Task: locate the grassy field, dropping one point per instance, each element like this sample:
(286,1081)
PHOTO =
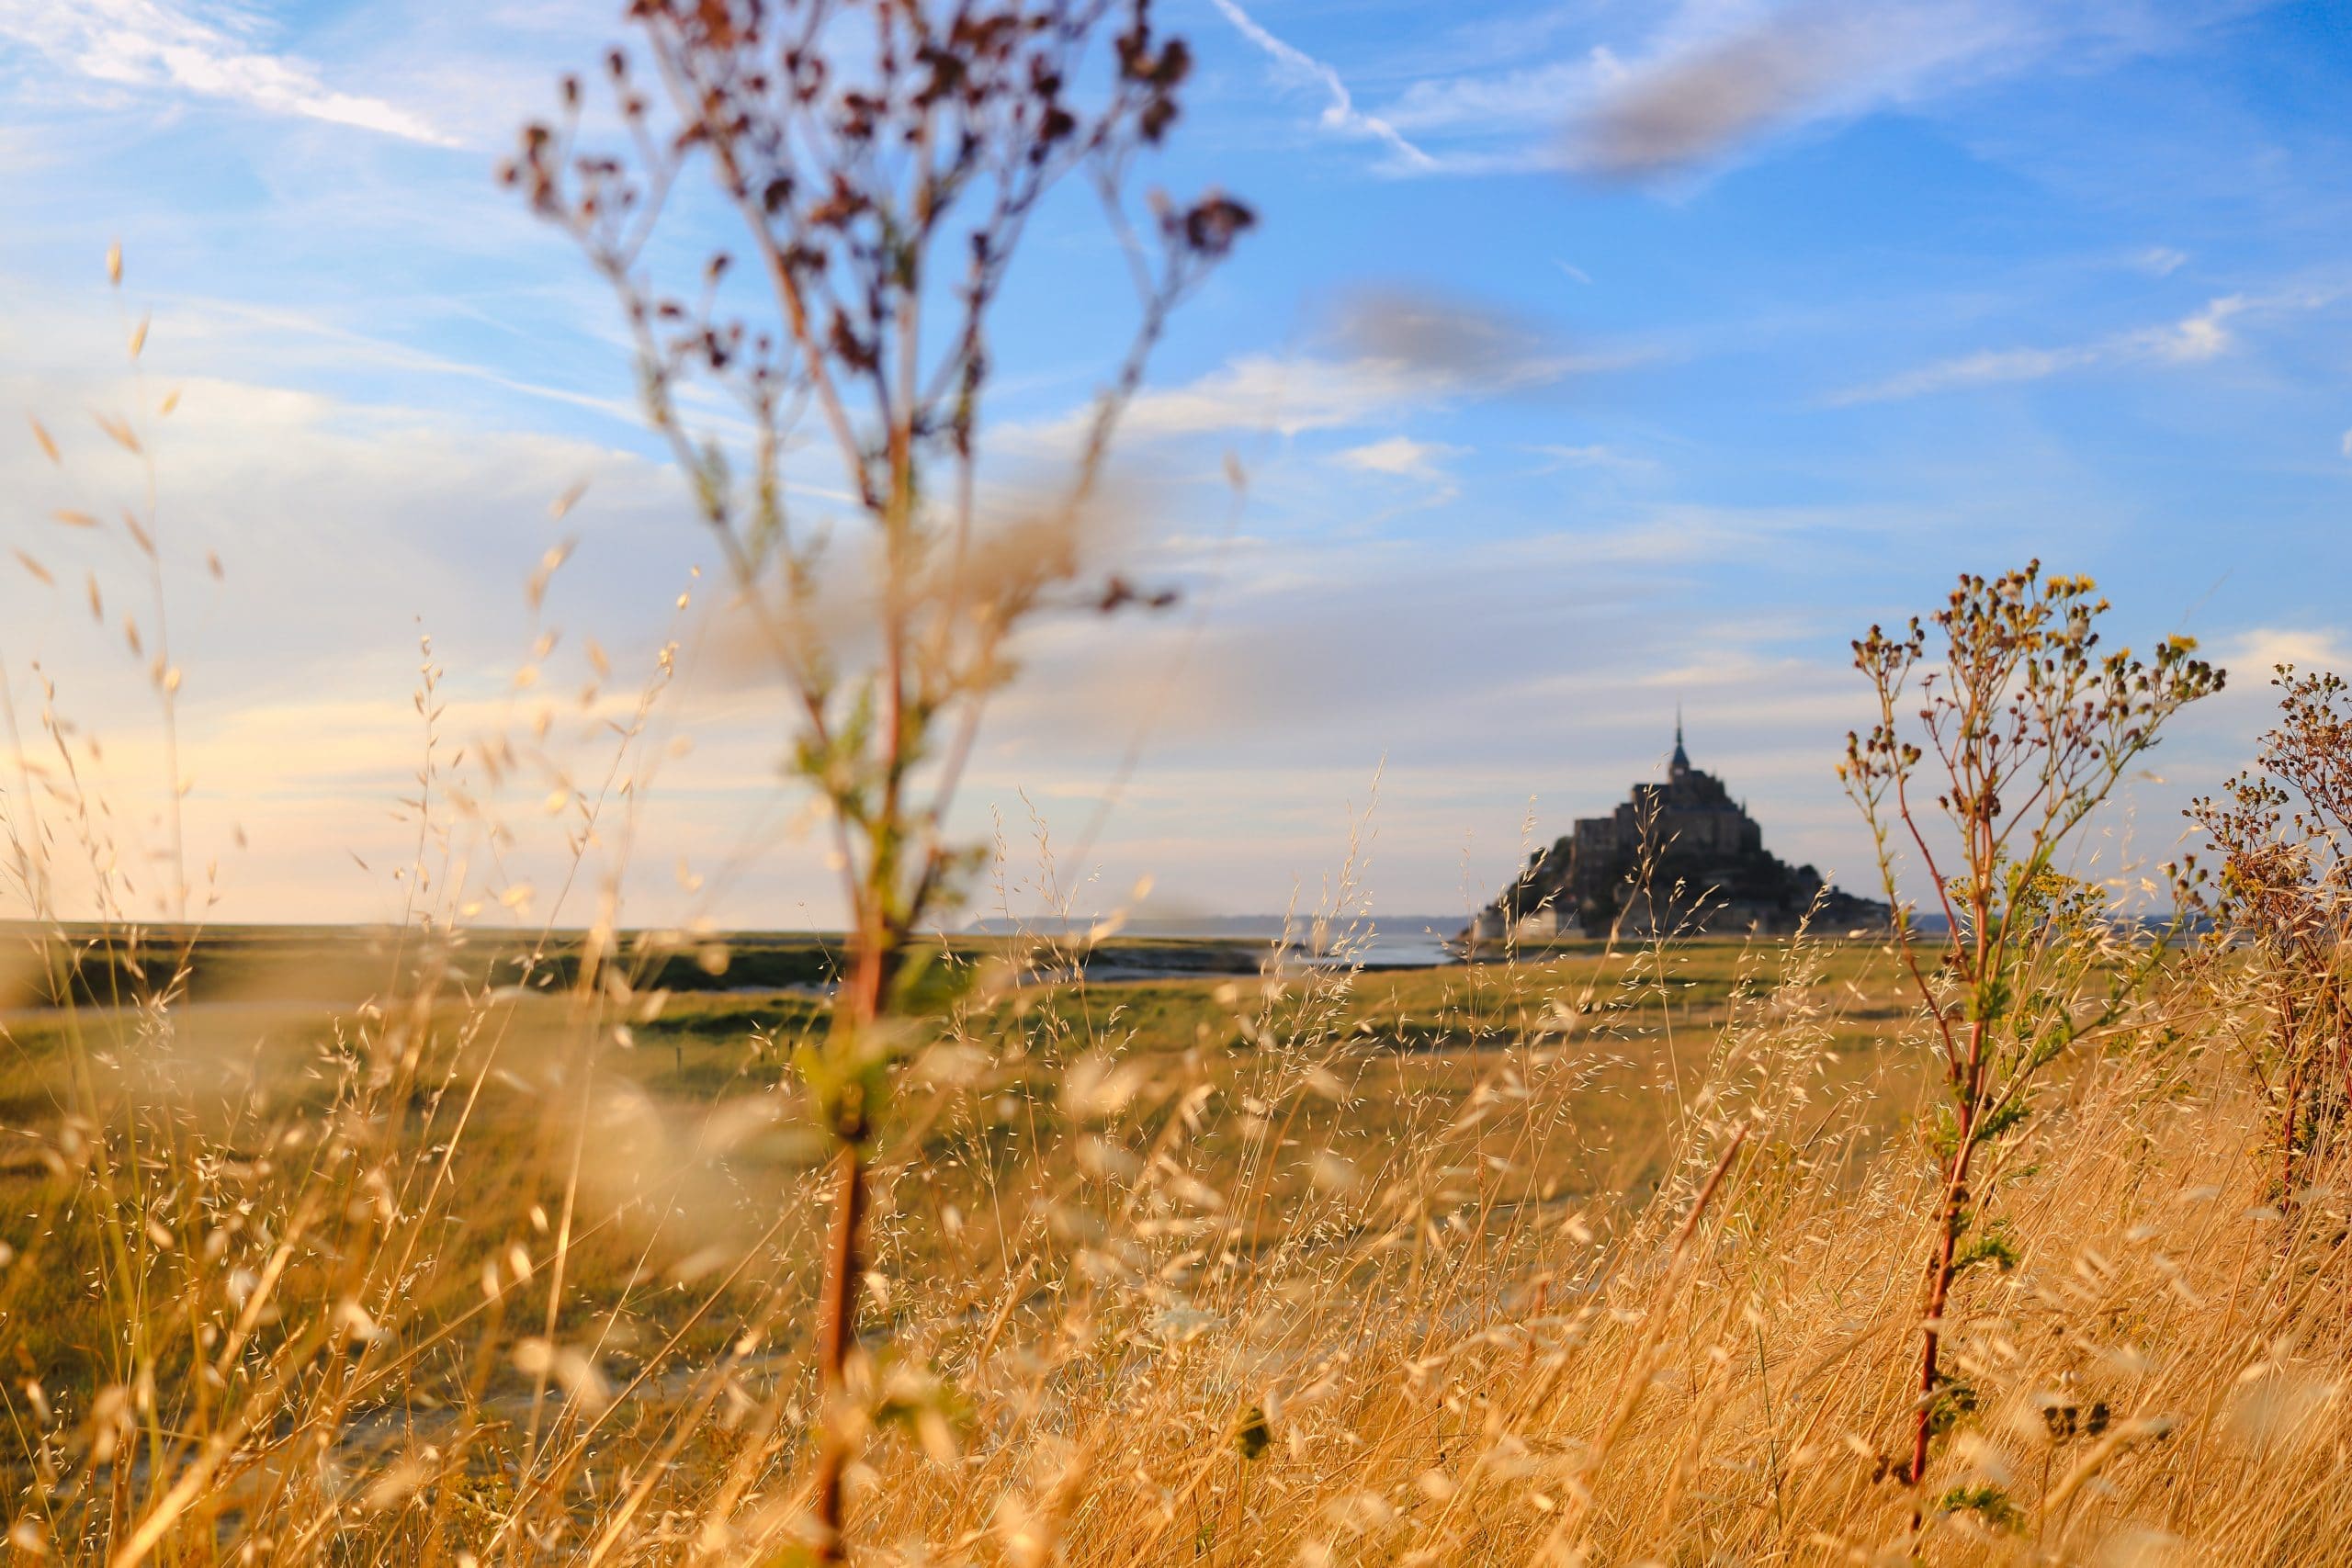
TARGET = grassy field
(598,1198)
(432,1246)
(272,1027)
(1600,1254)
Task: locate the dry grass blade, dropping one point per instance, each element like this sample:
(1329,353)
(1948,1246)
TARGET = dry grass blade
(119,431)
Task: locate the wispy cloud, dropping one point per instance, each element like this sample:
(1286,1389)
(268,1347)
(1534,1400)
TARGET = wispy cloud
(250,326)
(1402,457)
(1519,99)
(1388,352)
(1340,114)
(1705,81)
(1596,456)
(1255,392)
(2204,334)
(1461,344)
(156,43)
(1284,397)
(1987,367)
(1702,94)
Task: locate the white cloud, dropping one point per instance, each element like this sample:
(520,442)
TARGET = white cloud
(1388,352)
(1342,115)
(2198,337)
(158,43)
(1291,396)
(2160,260)
(1592,456)
(1522,98)
(1711,86)
(1983,369)
(2345,444)
(1705,81)
(2261,649)
(198,319)
(1401,456)
(1256,391)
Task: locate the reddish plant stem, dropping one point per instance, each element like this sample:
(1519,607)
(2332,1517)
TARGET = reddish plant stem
(1942,1269)
(862,1011)
(836,1332)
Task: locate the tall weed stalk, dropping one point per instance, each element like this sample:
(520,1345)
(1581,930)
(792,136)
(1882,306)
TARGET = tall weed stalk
(882,163)
(2282,913)
(2027,728)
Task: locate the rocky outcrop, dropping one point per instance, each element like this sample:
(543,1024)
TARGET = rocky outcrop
(1678,856)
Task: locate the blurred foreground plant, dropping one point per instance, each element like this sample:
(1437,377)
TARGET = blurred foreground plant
(2029,727)
(882,160)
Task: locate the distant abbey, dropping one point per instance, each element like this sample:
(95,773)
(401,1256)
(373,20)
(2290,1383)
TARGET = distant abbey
(1680,855)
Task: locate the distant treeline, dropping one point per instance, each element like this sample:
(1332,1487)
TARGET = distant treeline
(116,966)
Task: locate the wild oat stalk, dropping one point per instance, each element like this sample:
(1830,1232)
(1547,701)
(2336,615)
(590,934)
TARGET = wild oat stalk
(853,141)
(2029,728)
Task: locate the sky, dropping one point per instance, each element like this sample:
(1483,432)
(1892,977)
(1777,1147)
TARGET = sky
(1590,360)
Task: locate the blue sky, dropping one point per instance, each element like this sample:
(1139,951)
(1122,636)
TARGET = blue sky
(1763,321)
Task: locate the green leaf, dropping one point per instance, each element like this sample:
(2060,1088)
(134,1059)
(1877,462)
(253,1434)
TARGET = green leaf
(1992,1245)
(1988,1503)
(1952,1401)
(2002,1120)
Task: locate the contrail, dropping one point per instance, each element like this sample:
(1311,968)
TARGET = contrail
(1342,113)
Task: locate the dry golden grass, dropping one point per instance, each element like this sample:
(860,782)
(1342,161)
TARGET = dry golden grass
(1335,1279)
